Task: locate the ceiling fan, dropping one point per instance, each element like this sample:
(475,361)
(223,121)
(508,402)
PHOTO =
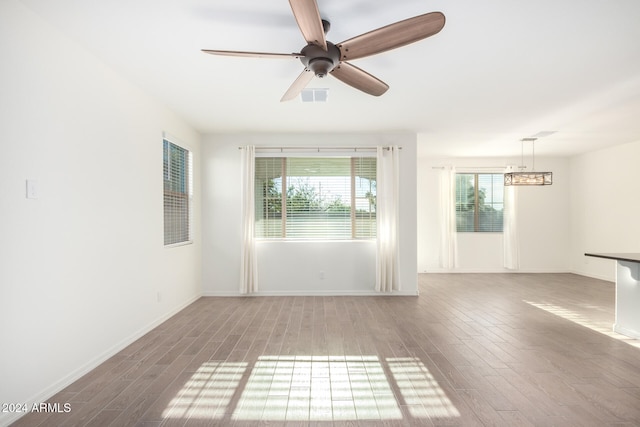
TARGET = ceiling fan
(321,57)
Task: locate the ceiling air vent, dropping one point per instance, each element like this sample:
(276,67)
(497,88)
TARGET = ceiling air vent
(314,95)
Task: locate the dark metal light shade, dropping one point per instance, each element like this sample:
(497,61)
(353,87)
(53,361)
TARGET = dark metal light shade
(528,178)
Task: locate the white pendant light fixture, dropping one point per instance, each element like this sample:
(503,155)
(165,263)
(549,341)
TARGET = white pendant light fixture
(528,178)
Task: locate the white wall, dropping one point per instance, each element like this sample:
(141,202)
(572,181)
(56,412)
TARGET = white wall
(543,215)
(605,203)
(81,266)
(294,267)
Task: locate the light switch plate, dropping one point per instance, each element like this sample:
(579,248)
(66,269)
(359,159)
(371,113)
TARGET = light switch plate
(33,189)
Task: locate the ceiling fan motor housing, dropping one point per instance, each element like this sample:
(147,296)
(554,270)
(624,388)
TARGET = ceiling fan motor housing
(320,61)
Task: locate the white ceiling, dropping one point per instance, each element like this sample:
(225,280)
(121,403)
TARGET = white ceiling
(499,71)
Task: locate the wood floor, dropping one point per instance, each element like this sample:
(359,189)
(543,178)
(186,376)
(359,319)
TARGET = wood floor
(472,350)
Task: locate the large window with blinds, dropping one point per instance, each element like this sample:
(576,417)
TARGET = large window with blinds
(323,198)
(177,193)
(479,202)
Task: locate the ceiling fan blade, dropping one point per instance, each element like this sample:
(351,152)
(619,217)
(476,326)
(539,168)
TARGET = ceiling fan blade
(392,36)
(359,79)
(252,54)
(300,83)
(308,18)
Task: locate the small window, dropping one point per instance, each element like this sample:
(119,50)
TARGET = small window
(177,193)
(315,198)
(479,202)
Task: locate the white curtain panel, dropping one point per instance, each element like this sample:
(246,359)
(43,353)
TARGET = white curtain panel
(448,232)
(249,269)
(510,226)
(387,207)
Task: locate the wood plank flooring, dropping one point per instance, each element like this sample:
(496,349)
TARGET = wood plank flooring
(471,350)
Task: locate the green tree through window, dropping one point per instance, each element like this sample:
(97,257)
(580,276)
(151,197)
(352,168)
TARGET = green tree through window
(479,202)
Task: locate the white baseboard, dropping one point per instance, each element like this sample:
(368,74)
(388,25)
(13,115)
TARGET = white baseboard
(75,375)
(495,271)
(626,332)
(594,276)
(312,294)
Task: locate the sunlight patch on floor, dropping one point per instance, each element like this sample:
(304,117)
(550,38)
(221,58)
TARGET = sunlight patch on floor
(605,328)
(208,392)
(420,390)
(312,388)
(319,388)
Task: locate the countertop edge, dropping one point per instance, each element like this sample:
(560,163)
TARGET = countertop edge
(632,257)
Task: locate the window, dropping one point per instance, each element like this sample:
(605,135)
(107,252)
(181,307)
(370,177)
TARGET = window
(323,197)
(479,202)
(177,193)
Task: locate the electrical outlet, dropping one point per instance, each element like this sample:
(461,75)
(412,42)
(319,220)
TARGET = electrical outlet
(321,275)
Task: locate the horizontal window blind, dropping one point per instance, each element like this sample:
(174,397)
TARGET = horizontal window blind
(177,193)
(268,197)
(364,209)
(479,202)
(315,197)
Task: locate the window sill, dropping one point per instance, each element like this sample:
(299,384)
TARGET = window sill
(271,240)
(480,232)
(176,245)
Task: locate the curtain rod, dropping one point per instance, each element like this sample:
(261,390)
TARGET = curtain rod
(321,148)
(471,167)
